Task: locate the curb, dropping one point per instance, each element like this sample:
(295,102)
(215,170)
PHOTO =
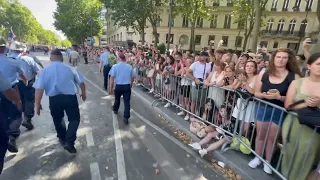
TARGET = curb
(216,154)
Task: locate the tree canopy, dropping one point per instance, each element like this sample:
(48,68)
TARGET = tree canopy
(78,19)
(25,26)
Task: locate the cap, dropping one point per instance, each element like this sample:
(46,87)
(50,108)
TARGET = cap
(2,43)
(56,52)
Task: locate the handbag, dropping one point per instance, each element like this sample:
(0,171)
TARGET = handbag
(309,116)
(198,128)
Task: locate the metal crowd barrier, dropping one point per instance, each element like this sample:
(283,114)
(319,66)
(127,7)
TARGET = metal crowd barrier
(180,92)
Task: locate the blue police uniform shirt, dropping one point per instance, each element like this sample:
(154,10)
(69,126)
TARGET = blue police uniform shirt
(4,84)
(104,58)
(29,66)
(59,78)
(122,73)
(10,69)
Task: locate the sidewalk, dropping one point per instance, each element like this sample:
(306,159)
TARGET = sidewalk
(235,160)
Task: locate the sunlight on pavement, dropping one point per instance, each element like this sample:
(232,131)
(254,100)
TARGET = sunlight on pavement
(67,171)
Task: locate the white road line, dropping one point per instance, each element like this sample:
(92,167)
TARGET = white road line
(121,166)
(89,139)
(95,171)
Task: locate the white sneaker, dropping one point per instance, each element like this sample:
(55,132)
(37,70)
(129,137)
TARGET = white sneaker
(203,152)
(180,113)
(254,163)
(267,169)
(195,146)
(167,105)
(151,91)
(187,117)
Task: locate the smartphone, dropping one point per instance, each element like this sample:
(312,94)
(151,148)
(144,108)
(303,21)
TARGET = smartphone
(273,90)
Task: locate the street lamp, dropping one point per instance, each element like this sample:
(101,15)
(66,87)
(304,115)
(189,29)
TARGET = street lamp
(304,24)
(170,24)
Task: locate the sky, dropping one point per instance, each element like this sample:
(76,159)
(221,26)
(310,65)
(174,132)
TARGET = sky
(43,10)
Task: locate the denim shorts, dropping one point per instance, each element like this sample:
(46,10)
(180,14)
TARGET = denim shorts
(270,114)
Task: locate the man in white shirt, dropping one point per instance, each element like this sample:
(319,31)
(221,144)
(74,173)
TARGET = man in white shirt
(74,57)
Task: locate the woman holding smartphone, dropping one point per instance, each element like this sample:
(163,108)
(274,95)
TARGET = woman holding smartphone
(272,87)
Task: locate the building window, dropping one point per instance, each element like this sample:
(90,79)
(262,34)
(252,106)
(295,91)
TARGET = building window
(117,37)
(241,25)
(171,38)
(269,26)
(274,5)
(276,44)
(204,3)
(211,38)
(229,3)
(293,46)
(285,5)
(303,28)
(297,5)
(172,22)
(199,23)
(227,21)
(213,22)
(197,40)
(216,3)
(120,36)
(309,5)
(238,42)
(263,44)
(280,26)
(225,40)
(185,22)
(292,26)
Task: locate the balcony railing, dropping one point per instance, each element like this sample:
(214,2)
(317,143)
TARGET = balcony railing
(285,33)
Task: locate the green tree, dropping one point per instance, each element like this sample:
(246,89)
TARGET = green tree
(130,14)
(244,14)
(78,19)
(65,43)
(193,10)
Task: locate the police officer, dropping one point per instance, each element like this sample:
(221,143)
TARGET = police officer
(60,82)
(13,96)
(122,75)
(11,69)
(30,68)
(104,63)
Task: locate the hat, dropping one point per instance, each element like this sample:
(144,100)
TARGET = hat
(2,43)
(16,46)
(56,52)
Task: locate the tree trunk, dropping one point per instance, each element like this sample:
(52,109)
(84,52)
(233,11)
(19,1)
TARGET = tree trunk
(155,34)
(238,36)
(245,42)
(142,36)
(257,25)
(192,46)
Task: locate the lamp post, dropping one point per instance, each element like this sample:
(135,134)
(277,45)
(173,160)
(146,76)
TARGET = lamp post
(304,24)
(170,24)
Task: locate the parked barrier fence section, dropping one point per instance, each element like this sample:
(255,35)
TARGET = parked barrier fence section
(249,124)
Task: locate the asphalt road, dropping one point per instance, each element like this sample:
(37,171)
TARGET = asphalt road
(107,149)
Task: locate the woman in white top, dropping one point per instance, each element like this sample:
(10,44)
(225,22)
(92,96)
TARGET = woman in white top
(244,110)
(214,81)
(185,86)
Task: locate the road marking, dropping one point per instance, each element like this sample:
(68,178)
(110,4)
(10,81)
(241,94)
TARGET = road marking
(95,171)
(174,140)
(89,139)
(121,166)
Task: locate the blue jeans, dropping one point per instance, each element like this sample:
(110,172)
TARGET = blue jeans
(124,90)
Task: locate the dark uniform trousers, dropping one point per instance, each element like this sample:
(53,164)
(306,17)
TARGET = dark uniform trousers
(69,104)
(124,90)
(106,70)
(3,137)
(12,115)
(27,98)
